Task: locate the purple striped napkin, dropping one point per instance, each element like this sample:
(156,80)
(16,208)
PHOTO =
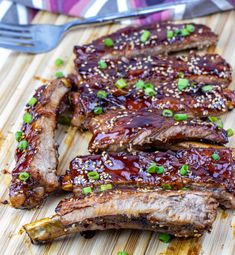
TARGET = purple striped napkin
(23,11)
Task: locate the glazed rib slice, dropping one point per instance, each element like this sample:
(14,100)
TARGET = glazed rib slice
(206,68)
(183,214)
(194,100)
(207,169)
(129,41)
(144,129)
(37,161)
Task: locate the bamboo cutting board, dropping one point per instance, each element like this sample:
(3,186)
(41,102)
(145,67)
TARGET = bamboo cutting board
(17,85)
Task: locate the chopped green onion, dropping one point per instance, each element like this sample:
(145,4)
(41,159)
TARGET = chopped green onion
(140,84)
(184,170)
(185,188)
(207,88)
(27,118)
(32,101)
(160,170)
(102,64)
(18,135)
(167,113)
(181,74)
(122,253)
(178,32)
(152,168)
(182,83)
(148,85)
(190,28)
(215,156)
(229,132)
(59,62)
(149,92)
(165,238)
(23,145)
(166,186)
(86,190)
(93,175)
(24,176)
(217,121)
(98,110)
(185,32)
(180,116)
(108,42)
(170,34)
(145,36)
(64,120)
(121,83)
(102,94)
(59,74)
(106,187)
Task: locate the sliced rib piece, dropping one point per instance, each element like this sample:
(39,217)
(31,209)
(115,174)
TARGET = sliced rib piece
(183,214)
(126,170)
(201,68)
(143,129)
(193,100)
(39,159)
(129,42)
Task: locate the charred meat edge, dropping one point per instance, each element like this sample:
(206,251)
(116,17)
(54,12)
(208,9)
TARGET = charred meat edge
(40,159)
(183,214)
(137,130)
(127,170)
(127,42)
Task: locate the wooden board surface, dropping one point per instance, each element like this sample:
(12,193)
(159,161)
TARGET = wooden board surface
(17,85)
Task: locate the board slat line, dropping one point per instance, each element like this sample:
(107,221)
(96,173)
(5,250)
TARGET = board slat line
(75,243)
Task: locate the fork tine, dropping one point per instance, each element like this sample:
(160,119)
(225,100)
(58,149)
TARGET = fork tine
(15,34)
(12,40)
(28,49)
(14,27)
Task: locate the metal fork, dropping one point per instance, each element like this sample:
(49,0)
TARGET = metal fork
(42,38)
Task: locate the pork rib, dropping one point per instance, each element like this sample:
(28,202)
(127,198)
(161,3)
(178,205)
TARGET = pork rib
(126,170)
(128,130)
(183,214)
(128,42)
(39,160)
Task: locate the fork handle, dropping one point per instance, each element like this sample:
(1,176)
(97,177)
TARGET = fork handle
(123,15)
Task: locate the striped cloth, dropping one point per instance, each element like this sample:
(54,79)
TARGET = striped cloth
(23,11)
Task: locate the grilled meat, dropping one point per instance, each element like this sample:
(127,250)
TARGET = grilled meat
(34,175)
(152,39)
(207,169)
(143,129)
(208,68)
(197,99)
(181,213)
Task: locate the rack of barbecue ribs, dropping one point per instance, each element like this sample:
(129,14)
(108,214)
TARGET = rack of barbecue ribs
(147,113)
(34,175)
(194,84)
(131,209)
(201,169)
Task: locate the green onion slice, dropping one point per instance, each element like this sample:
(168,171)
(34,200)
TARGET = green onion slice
(102,94)
(122,253)
(217,121)
(108,42)
(230,132)
(184,169)
(102,64)
(165,238)
(105,187)
(166,186)
(215,156)
(18,135)
(121,83)
(24,176)
(160,170)
(27,118)
(145,36)
(167,113)
(93,175)
(23,145)
(152,168)
(190,28)
(207,88)
(182,83)
(170,34)
(180,116)
(149,92)
(98,110)
(32,101)
(59,62)
(59,74)
(140,84)
(86,190)
(185,32)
